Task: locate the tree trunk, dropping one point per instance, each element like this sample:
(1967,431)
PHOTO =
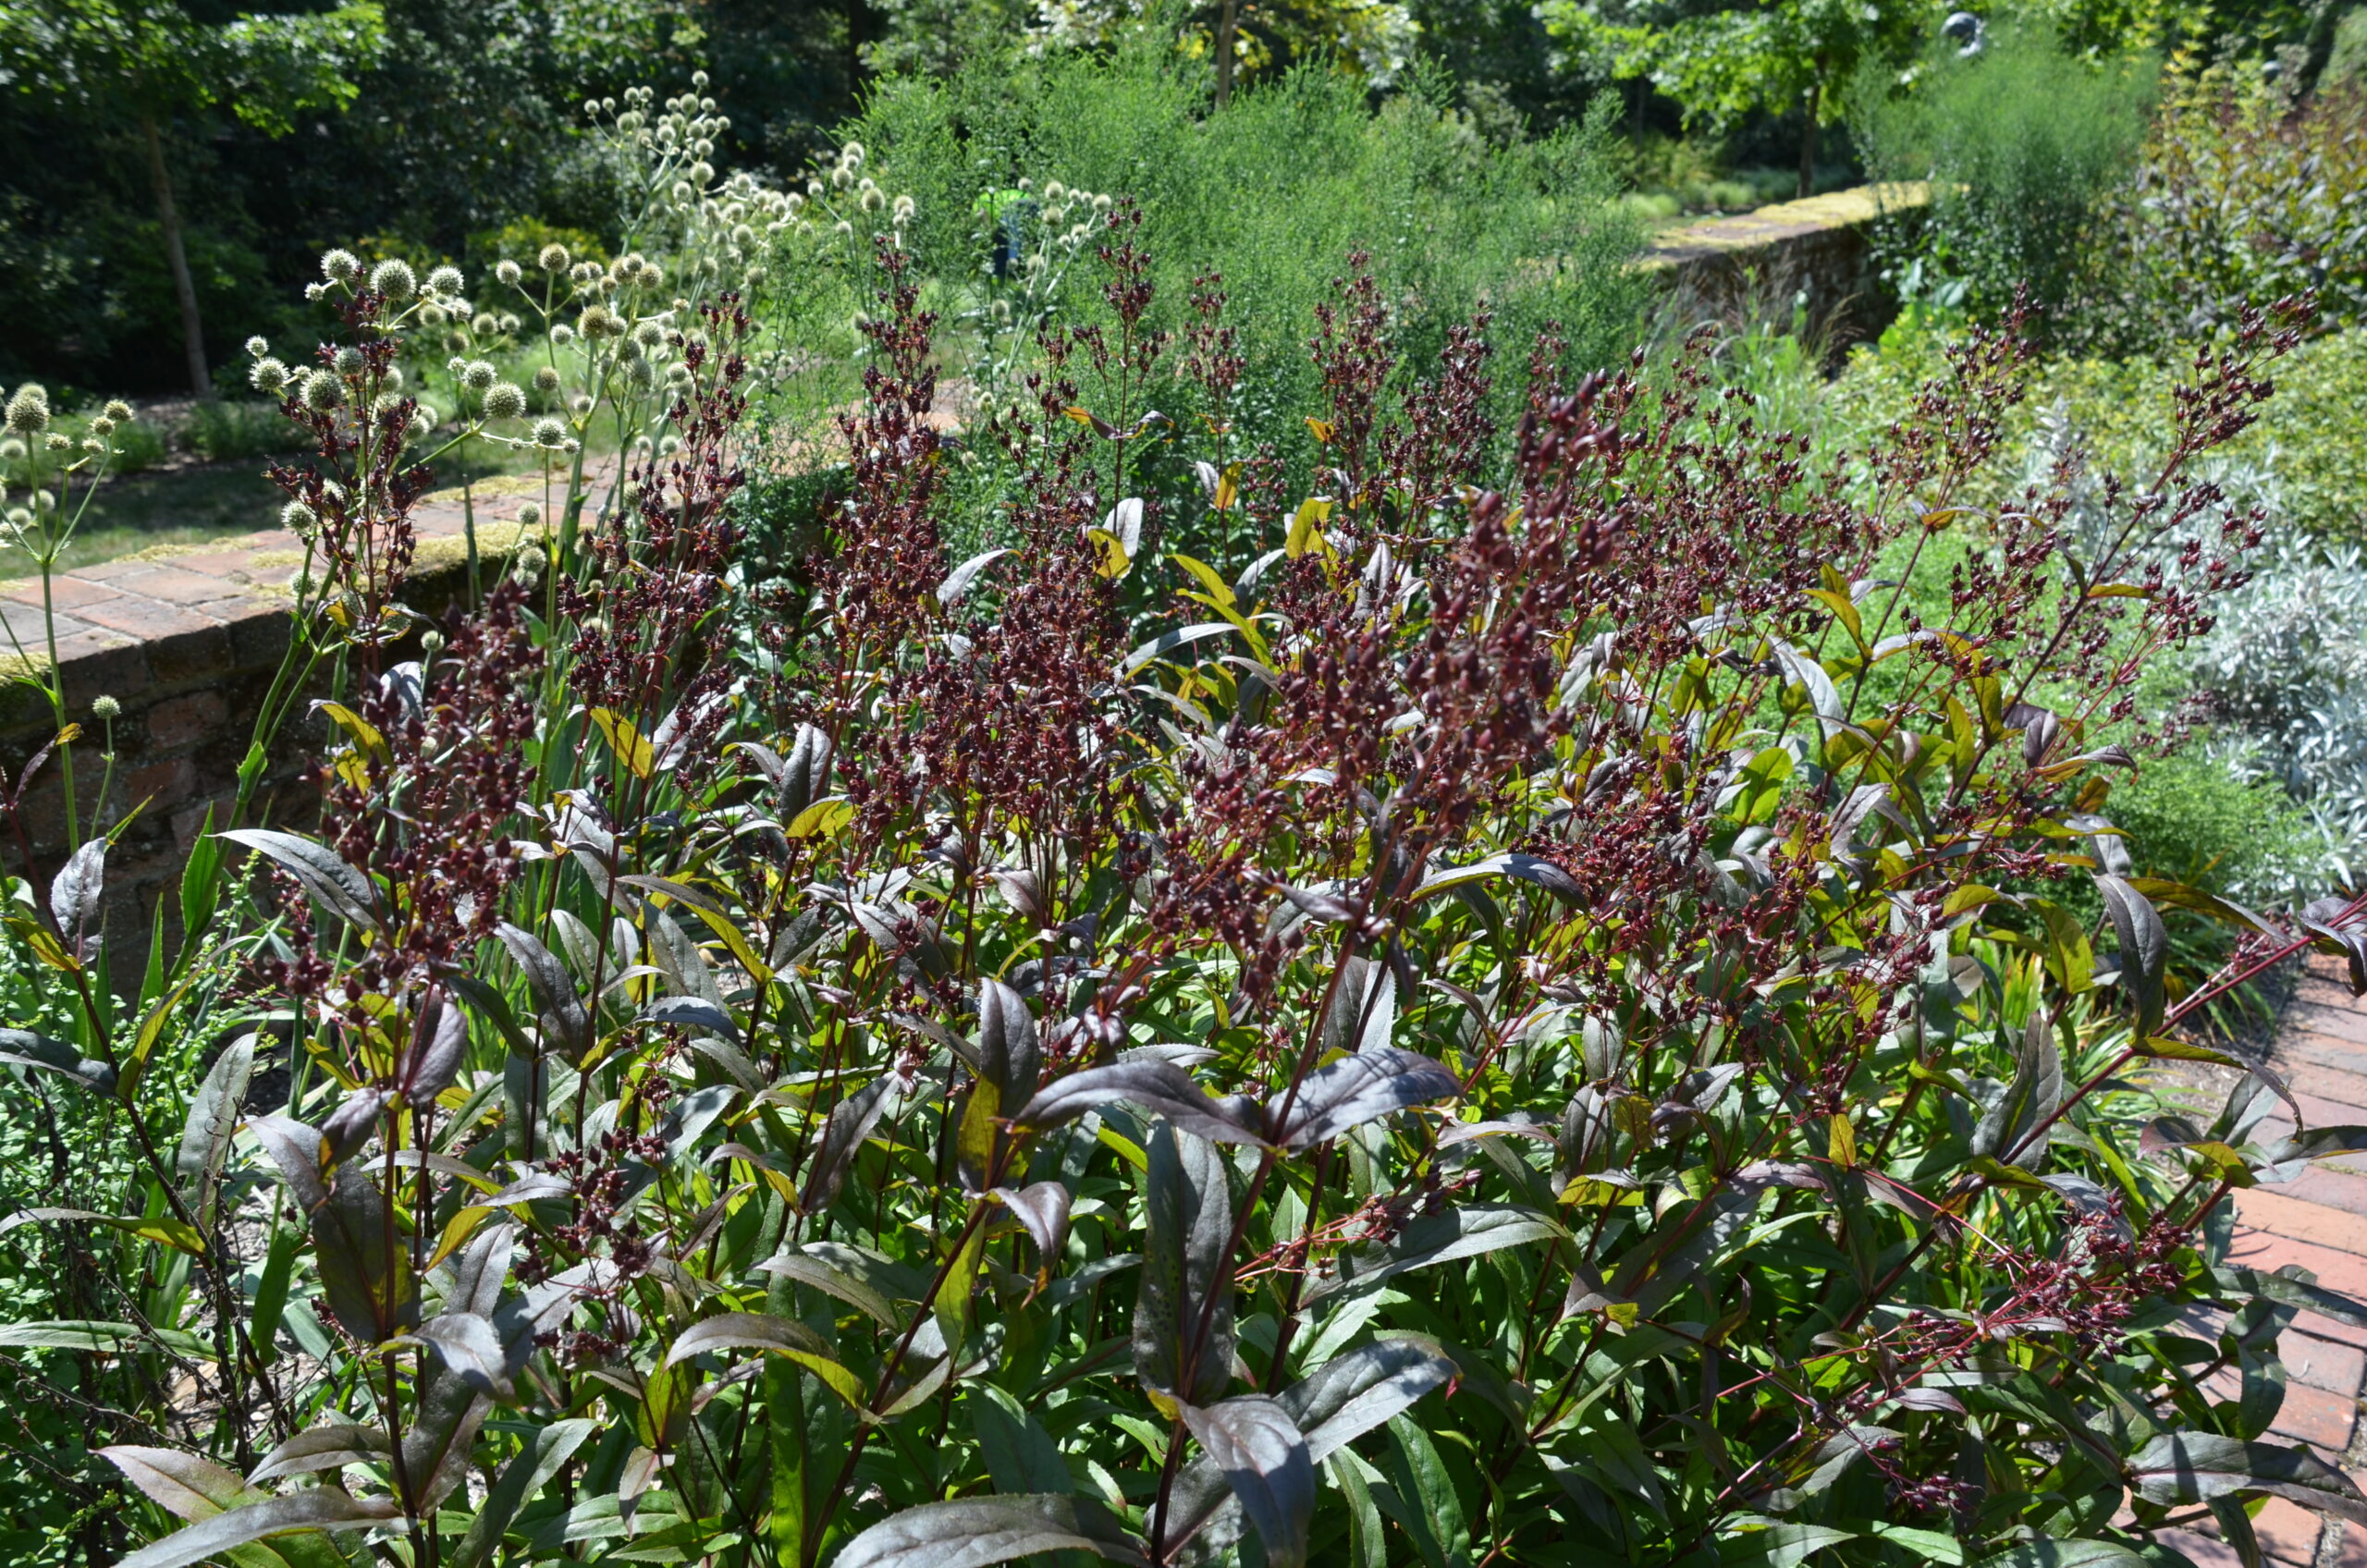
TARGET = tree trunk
(176,259)
(1227,24)
(1807,139)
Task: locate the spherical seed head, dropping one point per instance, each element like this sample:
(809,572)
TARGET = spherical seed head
(341,266)
(478,375)
(323,391)
(431,642)
(699,81)
(546,378)
(257,346)
(394,382)
(871,198)
(106,709)
(394,279)
(119,411)
(531,565)
(446,280)
(102,425)
(268,375)
(563,333)
(90,445)
(529,515)
(28,410)
(11,449)
(594,322)
(505,399)
(579,404)
(348,360)
(553,259)
(549,434)
(508,273)
(905,208)
(57,441)
(432,315)
(486,324)
(298,519)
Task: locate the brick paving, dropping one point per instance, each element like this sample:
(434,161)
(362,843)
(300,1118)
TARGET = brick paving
(2319,1222)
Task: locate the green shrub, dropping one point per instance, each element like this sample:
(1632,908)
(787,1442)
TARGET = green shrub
(1273,191)
(223,431)
(2242,197)
(2023,145)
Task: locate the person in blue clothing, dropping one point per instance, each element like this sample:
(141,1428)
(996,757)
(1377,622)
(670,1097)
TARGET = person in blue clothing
(1009,213)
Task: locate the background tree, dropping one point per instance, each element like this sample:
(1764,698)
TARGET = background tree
(144,62)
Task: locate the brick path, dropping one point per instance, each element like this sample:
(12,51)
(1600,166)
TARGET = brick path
(2319,1222)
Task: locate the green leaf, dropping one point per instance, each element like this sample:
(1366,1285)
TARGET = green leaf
(1187,1203)
(324,1508)
(164,1229)
(333,884)
(2144,949)
(213,1117)
(973,1532)
(2034,1095)
(521,1481)
(1020,1454)
(79,1334)
(1264,1458)
(776,1336)
(1464,1231)
(2064,1555)
(2189,1468)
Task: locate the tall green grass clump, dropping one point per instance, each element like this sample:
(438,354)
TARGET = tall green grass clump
(1272,192)
(2024,147)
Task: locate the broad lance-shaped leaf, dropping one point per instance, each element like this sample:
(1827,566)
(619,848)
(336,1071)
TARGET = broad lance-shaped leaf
(323,1508)
(2144,949)
(323,1448)
(2034,1096)
(1532,869)
(1042,1210)
(1187,1205)
(973,1532)
(212,1117)
(565,1020)
(1008,1054)
(1160,1087)
(776,1336)
(439,1040)
(26,1048)
(1340,1402)
(74,893)
(1358,1089)
(1264,1458)
(850,1122)
(333,884)
(2187,1467)
(183,1485)
(957,582)
(520,1481)
(1465,1231)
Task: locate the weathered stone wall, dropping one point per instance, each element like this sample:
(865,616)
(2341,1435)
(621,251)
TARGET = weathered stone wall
(1752,268)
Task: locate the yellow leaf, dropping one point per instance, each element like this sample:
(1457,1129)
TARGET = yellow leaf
(1841,1140)
(625,740)
(1221,593)
(1322,429)
(44,946)
(1306,527)
(352,770)
(457,1232)
(364,733)
(824,817)
(1114,562)
(1228,488)
(68,735)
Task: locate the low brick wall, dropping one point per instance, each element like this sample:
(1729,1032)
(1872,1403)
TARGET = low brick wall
(187,640)
(1752,268)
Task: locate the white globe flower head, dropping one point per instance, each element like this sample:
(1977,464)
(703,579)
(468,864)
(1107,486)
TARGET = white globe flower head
(394,380)
(58,441)
(562,335)
(446,281)
(340,265)
(268,375)
(553,258)
(394,279)
(549,434)
(507,273)
(257,346)
(580,405)
(485,324)
(478,376)
(106,710)
(1054,190)
(432,315)
(119,411)
(905,208)
(28,410)
(546,378)
(505,399)
(348,360)
(530,567)
(699,81)
(509,323)
(529,515)
(102,425)
(11,450)
(424,421)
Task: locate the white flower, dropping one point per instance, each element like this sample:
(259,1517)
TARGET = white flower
(106,710)
(508,273)
(446,280)
(478,375)
(341,266)
(28,410)
(257,346)
(268,375)
(505,399)
(553,259)
(394,279)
